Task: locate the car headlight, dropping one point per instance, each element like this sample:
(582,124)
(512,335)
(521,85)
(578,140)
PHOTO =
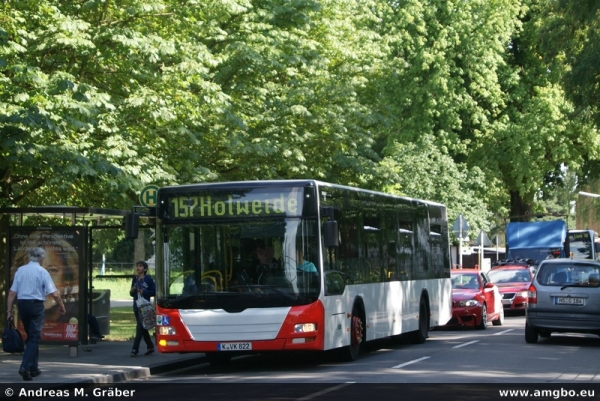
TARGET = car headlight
(470,302)
(522,294)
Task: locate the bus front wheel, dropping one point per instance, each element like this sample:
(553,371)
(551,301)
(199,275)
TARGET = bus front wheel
(357,335)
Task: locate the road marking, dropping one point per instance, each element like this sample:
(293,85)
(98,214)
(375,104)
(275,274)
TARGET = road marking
(465,344)
(328,390)
(410,363)
(502,332)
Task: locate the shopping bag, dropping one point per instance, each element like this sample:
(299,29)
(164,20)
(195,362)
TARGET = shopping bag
(11,339)
(147,313)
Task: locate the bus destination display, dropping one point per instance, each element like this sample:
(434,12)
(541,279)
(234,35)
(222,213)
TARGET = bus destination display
(252,203)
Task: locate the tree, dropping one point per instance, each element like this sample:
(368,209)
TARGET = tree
(570,33)
(569,38)
(472,76)
(442,89)
(538,132)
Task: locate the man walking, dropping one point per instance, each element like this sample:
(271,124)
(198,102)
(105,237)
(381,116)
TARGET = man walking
(30,286)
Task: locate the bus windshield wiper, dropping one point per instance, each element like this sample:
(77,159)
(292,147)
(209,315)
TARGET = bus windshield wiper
(281,292)
(258,287)
(190,297)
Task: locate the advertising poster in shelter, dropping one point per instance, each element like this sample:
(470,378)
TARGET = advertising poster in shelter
(64,260)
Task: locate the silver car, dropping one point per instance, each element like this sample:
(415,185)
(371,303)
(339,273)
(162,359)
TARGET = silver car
(564,296)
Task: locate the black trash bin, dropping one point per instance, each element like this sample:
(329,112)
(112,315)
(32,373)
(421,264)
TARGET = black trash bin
(101,309)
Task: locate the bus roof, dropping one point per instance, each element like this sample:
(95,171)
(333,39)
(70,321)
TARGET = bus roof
(279,183)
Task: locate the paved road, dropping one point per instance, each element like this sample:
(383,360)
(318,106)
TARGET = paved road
(496,355)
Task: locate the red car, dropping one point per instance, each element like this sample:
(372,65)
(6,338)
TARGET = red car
(475,300)
(513,282)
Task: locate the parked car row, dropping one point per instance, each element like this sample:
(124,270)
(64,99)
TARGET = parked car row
(563,296)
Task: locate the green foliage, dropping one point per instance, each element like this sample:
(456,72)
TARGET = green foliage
(420,170)
(570,32)
(123,250)
(122,324)
(483,101)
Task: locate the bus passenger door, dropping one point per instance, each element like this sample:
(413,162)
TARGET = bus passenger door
(336,307)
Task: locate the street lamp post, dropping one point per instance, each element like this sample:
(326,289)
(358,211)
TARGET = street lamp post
(460,227)
(591,195)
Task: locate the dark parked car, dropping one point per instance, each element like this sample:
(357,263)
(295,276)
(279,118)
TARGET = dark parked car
(563,297)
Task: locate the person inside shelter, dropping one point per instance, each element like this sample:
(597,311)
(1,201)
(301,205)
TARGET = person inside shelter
(95,333)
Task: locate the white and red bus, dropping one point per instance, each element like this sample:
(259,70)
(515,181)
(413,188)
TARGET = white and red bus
(296,265)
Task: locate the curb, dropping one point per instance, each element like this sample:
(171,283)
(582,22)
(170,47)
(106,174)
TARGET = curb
(144,372)
(132,374)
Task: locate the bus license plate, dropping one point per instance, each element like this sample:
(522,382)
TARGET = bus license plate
(234,347)
(568,301)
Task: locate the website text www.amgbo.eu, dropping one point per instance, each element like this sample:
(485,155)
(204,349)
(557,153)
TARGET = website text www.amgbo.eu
(554,394)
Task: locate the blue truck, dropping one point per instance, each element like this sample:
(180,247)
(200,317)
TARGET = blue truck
(536,241)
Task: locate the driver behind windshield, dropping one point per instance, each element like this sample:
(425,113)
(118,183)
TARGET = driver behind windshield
(304,265)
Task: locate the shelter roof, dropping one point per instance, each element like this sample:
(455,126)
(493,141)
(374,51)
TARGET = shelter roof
(72,213)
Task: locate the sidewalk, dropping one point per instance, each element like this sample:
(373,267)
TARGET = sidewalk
(103,362)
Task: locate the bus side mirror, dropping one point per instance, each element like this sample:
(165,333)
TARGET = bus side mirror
(331,234)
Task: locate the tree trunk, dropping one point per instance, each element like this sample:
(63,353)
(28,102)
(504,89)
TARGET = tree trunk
(520,210)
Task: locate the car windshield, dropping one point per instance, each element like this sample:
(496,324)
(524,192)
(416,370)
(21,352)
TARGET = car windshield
(569,273)
(500,276)
(465,281)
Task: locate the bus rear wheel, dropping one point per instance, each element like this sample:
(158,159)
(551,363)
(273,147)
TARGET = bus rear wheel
(419,336)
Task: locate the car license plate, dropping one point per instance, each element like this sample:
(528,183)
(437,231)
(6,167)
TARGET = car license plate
(234,346)
(506,301)
(568,301)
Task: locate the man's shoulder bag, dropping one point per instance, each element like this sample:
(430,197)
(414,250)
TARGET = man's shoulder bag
(11,339)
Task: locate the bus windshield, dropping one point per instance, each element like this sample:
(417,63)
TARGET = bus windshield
(262,262)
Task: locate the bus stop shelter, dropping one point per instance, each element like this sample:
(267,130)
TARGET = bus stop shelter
(67,235)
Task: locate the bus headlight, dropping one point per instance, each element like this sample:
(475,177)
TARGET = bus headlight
(305,328)
(166,330)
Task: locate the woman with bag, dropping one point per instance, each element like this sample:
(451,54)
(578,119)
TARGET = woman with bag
(142,288)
